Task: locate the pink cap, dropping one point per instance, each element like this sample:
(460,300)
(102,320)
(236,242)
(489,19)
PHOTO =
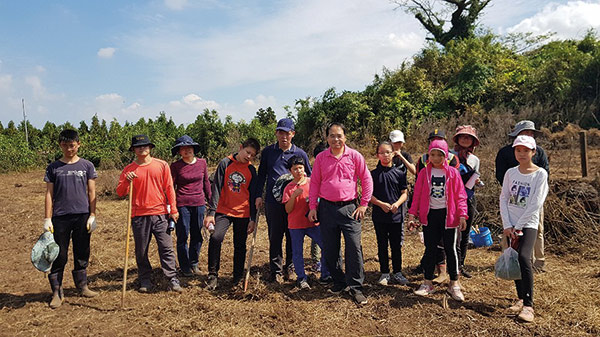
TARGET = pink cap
(440,145)
(526,141)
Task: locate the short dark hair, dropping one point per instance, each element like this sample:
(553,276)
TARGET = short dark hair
(253,143)
(68,136)
(295,160)
(322,146)
(332,124)
(383,142)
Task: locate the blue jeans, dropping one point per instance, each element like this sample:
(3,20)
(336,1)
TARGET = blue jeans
(189,226)
(297,236)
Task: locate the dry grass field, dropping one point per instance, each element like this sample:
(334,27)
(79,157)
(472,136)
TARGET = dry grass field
(567,300)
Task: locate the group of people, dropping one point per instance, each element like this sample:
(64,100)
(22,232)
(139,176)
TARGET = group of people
(323,201)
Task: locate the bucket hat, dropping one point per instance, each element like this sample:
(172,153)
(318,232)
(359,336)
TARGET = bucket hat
(397,136)
(435,134)
(140,140)
(44,252)
(522,126)
(466,130)
(185,140)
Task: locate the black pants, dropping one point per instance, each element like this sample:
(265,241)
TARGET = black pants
(525,249)
(67,227)
(394,234)
(278,228)
(464,235)
(336,221)
(433,233)
(240,234)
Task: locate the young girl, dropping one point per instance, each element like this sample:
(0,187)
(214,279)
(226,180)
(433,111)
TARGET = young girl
(295,198)
(389,193)
(524,190)
(440,203)
(465,141)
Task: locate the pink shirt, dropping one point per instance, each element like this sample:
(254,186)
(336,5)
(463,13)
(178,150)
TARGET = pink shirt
(297,217)
(336,179)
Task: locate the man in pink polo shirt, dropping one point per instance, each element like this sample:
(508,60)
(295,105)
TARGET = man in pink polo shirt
(334,197)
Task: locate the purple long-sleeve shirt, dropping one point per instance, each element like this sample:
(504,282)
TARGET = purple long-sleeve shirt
(192,187)
(336,179)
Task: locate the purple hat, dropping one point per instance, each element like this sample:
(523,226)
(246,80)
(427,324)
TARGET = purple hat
(285,124)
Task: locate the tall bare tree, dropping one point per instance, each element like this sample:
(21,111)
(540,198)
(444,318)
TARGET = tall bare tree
(434,14)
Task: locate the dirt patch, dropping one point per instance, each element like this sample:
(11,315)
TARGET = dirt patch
(566,298)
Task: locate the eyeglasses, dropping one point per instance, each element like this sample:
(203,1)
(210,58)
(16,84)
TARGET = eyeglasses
(386,153)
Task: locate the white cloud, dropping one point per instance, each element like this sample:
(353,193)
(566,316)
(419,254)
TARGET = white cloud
(570,20)
(176,4)
(39,91)
(106,53)
(40,69)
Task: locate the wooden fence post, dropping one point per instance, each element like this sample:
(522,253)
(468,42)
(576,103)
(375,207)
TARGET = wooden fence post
(583,151)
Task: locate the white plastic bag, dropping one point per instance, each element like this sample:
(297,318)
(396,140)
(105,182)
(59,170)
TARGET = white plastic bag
(507,265)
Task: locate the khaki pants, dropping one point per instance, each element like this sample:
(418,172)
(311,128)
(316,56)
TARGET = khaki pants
(538,257)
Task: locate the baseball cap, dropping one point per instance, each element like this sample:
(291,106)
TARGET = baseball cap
(526,141)
(396,136)
(285,124)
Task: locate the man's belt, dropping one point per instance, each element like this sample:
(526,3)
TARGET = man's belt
(342,203)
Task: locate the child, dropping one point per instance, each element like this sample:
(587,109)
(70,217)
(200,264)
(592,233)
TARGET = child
(389,193)
(192,189)
(152,191)
(70,212)
(440,203)
(233,202)
(521,216)
(295,198)
(465,141)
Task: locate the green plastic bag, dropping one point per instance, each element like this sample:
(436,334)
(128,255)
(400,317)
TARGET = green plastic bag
(507,265)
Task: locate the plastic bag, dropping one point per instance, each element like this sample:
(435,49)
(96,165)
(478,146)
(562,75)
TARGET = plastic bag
(507,265)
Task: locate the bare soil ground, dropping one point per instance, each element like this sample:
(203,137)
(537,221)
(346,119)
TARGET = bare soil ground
(566,297)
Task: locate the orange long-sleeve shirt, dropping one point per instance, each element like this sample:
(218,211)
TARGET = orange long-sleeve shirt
(152,189)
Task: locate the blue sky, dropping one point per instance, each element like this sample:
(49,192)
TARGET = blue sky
(70,60)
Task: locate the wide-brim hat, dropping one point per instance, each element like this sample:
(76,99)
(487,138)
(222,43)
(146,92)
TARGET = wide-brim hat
(140,140)
(184,140)
(522,126)
(44,252)
(466,130)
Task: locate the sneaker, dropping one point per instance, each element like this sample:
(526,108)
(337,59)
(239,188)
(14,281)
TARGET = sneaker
(400,279)
(384,279)
(359,297)
(424,290)
(526,314)
(465,273)
(237,280)
(338,288)
(456,293)
(417,270)
(175,286)
(211,282)
(304,284)
(145,286)
(195,270)
(187,273)
(442,278)
(516,307)
(539,268)
(326,280)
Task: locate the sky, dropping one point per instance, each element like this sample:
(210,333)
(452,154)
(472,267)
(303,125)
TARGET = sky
(69,60)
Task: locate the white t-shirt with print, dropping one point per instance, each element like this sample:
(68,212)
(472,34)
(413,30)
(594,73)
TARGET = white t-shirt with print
(522,198)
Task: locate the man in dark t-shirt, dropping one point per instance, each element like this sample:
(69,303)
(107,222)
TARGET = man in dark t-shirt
(70,212)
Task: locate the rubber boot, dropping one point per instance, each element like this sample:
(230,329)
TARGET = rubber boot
(57,291)
(443,277)
(80,278)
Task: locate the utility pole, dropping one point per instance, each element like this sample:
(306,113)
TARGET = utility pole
(25,121)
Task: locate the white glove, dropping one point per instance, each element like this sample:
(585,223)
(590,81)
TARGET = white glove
(48,227)
(91,223)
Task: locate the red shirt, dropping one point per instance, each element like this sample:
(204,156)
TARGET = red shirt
(297,217)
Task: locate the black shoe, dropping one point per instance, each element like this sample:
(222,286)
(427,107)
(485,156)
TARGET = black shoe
(338,288)
(211,282)
(465,273)
(326,280)
(359,297)
(236,281)
(417,270)
(187,273)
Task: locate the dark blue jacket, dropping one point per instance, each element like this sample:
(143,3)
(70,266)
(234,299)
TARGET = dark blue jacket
(388,184)
(273,163)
